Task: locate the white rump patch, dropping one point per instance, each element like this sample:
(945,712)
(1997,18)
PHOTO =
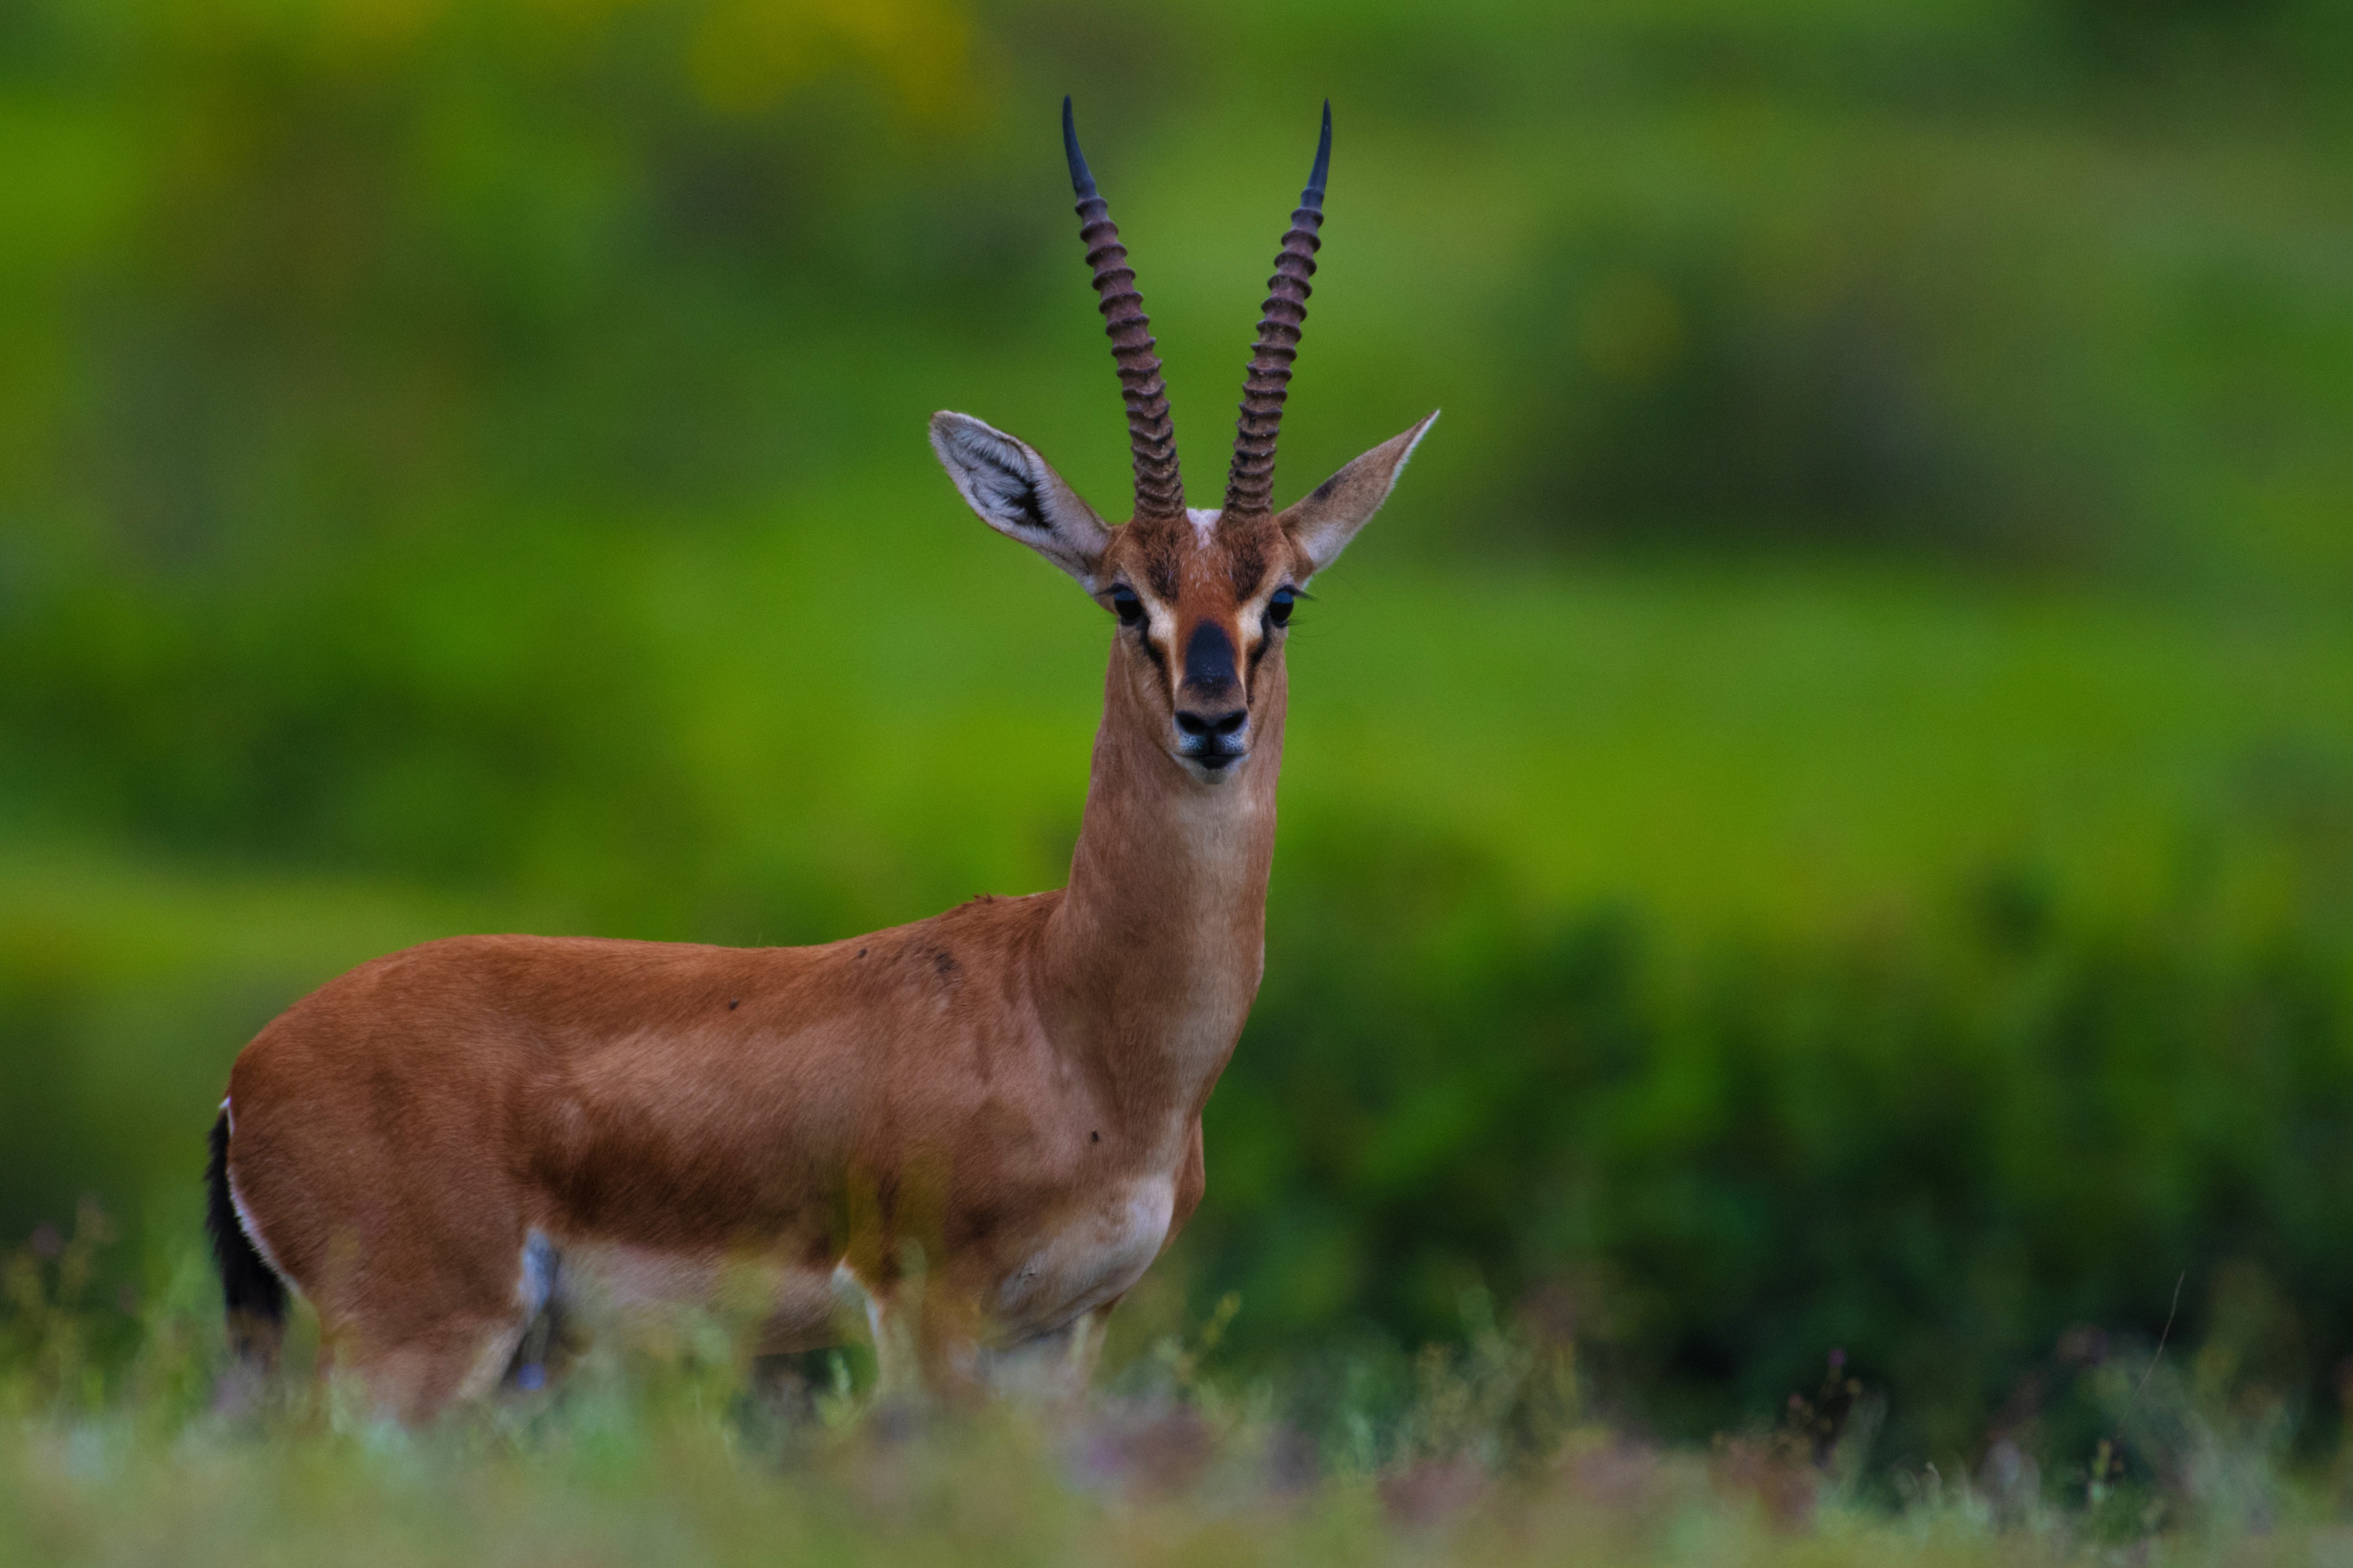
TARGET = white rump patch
(244,1216)
(253,1234)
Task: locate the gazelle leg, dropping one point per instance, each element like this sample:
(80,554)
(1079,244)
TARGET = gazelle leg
(1053,1368)
(412,1365)
(418,1375)
(891,1328)
(898,1366)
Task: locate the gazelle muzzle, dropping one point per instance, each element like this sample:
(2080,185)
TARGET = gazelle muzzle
(1212,710)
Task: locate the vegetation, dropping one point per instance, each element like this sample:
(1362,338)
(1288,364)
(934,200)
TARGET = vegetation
(678,1452)
(1819,821)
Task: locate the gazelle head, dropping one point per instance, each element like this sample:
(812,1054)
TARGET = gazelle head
(1202,595)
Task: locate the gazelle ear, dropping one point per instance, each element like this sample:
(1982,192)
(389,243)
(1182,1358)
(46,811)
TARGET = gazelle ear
(1322,522)
(1019,494)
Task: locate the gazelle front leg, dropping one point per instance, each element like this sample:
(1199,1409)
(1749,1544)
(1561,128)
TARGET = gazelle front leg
(892,1328)
(1050,1369)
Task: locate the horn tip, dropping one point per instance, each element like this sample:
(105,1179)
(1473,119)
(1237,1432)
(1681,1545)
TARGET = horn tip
(1082,181)
(1313,196)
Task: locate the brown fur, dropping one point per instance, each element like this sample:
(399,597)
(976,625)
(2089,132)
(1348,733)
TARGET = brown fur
(1006,1097)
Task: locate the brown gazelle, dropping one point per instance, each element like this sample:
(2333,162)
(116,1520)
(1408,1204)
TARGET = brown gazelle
(977,1130)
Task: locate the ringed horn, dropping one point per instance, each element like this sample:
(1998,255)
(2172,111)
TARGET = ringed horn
(1249,484)
(1151,433)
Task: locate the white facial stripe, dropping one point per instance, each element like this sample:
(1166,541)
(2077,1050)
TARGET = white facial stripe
(1255,629)
(1160,621)
(1160,625)
(1204,522)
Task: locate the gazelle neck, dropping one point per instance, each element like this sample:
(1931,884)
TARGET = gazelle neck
(1154,956)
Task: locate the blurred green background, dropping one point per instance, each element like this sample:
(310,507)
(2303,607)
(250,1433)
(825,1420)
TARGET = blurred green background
(1820,818)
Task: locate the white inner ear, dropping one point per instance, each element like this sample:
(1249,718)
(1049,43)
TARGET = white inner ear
(992,473)
(1017,493)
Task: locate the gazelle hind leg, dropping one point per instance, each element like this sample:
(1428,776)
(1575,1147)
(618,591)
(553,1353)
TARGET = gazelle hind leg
(417,1372)
(420,1375)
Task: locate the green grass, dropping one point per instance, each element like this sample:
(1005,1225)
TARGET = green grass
(1792,751)
(677,1453)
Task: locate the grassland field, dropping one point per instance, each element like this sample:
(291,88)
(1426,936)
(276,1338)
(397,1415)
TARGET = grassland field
(1812,936)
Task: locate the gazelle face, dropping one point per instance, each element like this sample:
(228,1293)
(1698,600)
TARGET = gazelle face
(1201,613)
(1201,600)
(1202,597)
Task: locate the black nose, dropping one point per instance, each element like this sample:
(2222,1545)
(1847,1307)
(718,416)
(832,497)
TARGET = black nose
(1220,725)
(1210,662)
(1210,711)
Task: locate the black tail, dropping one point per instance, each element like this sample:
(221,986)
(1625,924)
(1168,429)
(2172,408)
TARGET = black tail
(250,1289)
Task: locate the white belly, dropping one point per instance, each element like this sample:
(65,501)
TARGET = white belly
(1092,1255)
(1095,1255)
(634,1289)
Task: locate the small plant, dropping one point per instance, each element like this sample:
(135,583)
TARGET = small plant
(49,1356)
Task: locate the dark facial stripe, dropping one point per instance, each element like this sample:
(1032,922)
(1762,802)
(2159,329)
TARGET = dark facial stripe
(1160,568)
(1245,566)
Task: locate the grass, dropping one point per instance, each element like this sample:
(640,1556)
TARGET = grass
(679,1452)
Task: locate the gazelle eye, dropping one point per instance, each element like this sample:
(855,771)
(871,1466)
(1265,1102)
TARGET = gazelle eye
(1126,605)
(1278,608)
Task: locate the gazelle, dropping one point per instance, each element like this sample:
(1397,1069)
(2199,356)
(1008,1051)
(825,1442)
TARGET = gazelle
(978,1130)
